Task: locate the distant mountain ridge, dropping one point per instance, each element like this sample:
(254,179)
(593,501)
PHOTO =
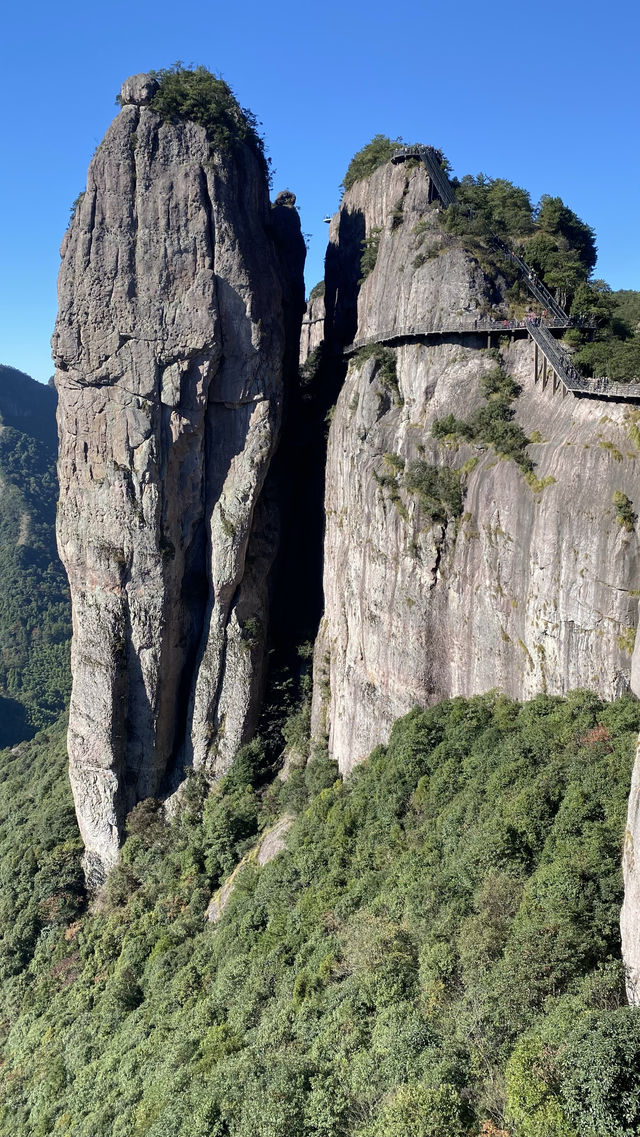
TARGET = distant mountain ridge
(35,615)
(28,406)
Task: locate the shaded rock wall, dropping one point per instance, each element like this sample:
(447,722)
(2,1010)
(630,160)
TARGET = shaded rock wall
(180,296)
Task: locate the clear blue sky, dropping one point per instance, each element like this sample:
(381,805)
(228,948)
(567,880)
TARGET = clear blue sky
(545,94)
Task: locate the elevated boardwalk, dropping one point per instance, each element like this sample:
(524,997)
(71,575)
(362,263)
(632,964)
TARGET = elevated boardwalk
(551,361)
(429,157)
(461,327)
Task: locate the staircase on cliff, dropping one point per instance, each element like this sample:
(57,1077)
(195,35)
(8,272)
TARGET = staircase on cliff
(556,362)
(429,157)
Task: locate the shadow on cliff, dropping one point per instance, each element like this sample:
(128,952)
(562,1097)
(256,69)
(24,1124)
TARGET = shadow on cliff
(342,275)
(300,469)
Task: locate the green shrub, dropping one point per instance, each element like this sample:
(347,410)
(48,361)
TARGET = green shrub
(385,367)
(625,515)
(194,93)
(438,488)
(370,246)
(424,1111)
(376,153)
(599,1082)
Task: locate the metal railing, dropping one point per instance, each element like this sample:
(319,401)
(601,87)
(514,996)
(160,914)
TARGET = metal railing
(452,328)
(537,328)
(556,356)
(560,363)
(533,282)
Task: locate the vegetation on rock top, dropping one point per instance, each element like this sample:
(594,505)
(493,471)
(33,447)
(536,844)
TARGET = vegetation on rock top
(376,153)
(195,93)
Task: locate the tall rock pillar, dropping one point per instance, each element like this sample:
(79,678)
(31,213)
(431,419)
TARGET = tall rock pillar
(179,288)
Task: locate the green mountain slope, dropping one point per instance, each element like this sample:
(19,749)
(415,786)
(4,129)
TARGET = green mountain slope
(35,616)
(436,951)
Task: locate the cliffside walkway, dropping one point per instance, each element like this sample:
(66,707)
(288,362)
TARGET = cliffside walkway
(551,360)
(429,157)
(533,282)
(565,374)
(463,327)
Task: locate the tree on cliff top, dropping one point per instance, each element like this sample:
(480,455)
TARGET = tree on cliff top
(195,93)
(377,153)
(364,162)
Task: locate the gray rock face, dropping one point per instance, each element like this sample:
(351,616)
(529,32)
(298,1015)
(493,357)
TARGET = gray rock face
(176,297)
(531,589)
(312,331)
(138,90)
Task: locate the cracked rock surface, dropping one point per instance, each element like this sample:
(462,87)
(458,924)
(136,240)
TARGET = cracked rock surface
(179,292)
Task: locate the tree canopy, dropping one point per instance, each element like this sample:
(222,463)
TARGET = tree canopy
(195,93)
(437,951)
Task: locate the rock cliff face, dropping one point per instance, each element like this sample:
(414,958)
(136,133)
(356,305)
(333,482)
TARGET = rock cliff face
(312,330)
(530,587)
(180,296)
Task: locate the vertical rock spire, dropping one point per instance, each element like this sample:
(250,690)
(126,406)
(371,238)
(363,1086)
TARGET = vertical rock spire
(176,297)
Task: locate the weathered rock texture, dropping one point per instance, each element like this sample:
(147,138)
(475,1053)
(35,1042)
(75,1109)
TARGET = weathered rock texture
(180,295)
(312,330)
(531,589)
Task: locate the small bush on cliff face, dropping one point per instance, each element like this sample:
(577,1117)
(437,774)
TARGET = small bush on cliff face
(385,372)
(370,247)
(625,515)
(196,94)
(438,488)
(492,424)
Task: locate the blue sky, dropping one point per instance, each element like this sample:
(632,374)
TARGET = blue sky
(544,94)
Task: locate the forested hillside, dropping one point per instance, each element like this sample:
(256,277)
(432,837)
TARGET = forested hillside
(35,615)
(436,953)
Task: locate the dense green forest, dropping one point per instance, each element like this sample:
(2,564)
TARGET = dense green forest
(436,953)
(35,614)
